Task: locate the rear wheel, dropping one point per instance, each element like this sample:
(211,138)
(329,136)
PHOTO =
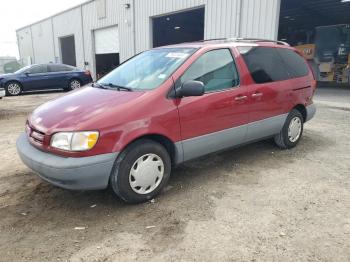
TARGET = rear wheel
(13,89)
(141,171)
(74,84)
(292,131)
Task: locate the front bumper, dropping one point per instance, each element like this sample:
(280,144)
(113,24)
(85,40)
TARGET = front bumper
(84,173)
(310,112)
(2,92)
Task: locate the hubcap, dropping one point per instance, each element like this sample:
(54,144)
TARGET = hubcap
(75,84)
(14,89)
(294,129)
(146,174)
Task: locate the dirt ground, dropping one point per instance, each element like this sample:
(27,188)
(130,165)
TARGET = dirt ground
(255,203)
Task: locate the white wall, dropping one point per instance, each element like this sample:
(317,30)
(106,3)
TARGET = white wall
(24,38)
(116,14)
(66,24)
(43,42)
(260,18)
(223,18)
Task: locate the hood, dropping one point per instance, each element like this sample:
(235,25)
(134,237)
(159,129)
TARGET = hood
(81,109)
(6,75)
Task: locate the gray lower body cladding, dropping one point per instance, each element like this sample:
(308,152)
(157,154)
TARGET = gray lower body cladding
(310,112)
(83,173)
(209,143)
(232,137)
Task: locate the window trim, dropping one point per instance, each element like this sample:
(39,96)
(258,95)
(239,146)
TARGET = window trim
(178,81)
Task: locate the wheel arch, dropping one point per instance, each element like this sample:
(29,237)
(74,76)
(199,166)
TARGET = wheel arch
(13,81)
(302,109)
(168,144)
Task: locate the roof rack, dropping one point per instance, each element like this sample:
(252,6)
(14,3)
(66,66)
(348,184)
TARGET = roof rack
(213,39)
(242,39)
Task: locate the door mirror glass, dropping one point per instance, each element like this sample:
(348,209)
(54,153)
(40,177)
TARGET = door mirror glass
(191,88)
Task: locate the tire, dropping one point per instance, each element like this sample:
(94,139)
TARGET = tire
(288,139)
(73,84)
(13,88)
(128,174)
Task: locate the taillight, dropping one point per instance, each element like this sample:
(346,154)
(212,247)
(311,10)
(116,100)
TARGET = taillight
(313,84)
(87,72)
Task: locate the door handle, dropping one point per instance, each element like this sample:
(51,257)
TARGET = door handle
(257,95)
(240,98)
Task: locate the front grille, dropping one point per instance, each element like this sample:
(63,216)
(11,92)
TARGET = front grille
(35,136)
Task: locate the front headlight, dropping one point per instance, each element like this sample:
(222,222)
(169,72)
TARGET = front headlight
(75,141)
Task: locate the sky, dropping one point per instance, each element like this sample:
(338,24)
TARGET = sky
(18,13)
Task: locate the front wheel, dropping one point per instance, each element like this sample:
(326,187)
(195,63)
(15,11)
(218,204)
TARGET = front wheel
(291,132)
(13,89)
(141,171)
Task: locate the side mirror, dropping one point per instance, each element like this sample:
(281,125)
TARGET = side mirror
(191,88)
(26,73)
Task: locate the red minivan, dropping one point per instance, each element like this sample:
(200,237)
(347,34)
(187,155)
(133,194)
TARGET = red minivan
(166,106)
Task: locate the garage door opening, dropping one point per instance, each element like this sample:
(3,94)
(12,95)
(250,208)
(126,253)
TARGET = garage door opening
(68,50)
(105,63)
(106,50)
(321,30)
(177,28)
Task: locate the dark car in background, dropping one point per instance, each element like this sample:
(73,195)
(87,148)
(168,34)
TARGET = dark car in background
(44,77)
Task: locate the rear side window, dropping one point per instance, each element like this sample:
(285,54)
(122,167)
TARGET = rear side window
(59,68)
(295,64)
(216,69)
(264,64)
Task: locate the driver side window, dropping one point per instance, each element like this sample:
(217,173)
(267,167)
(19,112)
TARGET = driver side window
(216,69)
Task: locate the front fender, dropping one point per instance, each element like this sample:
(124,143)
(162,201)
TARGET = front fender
(135,130)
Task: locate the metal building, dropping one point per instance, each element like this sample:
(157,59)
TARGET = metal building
(99,34)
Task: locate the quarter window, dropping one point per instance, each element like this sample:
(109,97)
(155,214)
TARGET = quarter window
(59,68)
(216,69)
(264,64)
(295,64)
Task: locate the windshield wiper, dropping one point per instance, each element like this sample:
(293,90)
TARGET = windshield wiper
(98,85)
(110,86)
(120,87)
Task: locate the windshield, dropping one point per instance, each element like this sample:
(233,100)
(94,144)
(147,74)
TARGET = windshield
(23,69)
(147,70)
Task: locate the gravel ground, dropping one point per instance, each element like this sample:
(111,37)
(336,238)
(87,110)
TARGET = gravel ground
(255,203)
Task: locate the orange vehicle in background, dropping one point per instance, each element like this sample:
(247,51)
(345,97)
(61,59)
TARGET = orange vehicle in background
(329,56)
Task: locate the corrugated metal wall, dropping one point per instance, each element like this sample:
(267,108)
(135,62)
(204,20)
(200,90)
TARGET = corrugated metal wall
(66,24)
(43,42)
(25,47)
(116,14)
(223,18)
